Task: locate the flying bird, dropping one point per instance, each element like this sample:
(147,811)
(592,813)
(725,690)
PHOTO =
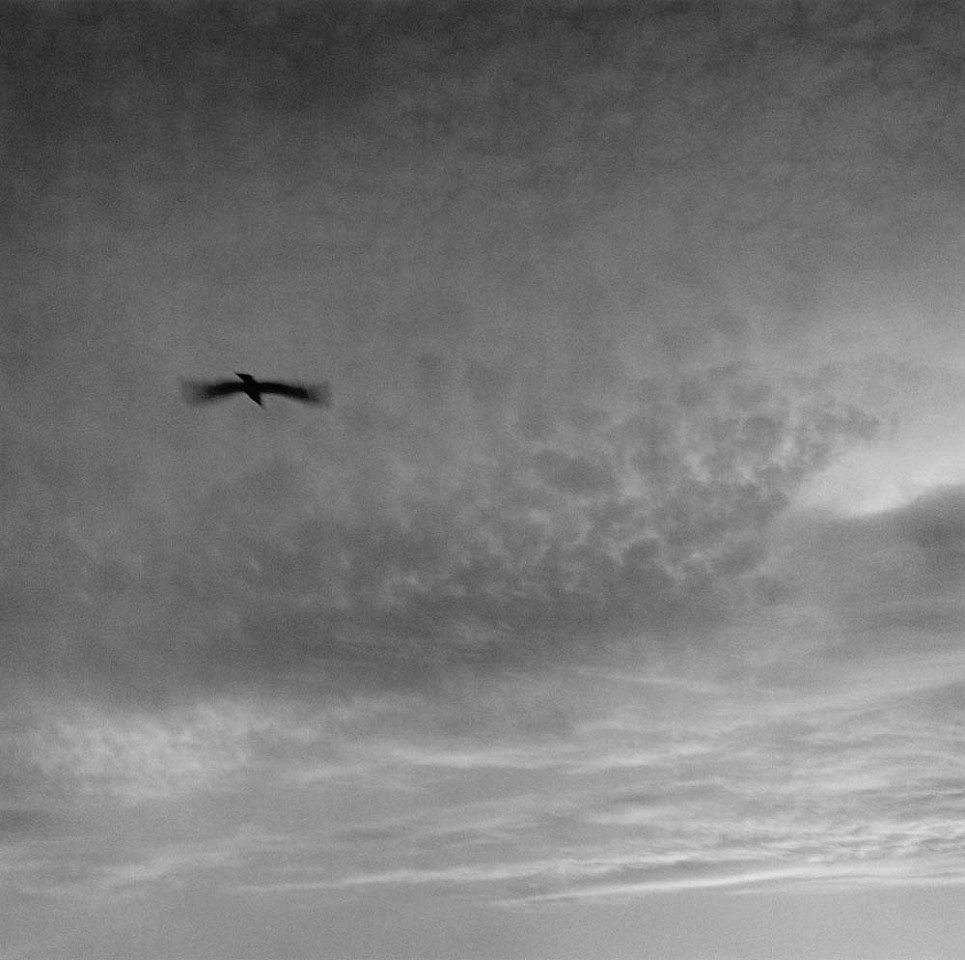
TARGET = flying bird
(201,392)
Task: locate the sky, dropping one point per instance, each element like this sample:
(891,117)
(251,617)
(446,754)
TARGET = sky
(613,609)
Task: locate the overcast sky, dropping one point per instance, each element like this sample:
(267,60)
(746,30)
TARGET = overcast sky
(615,607)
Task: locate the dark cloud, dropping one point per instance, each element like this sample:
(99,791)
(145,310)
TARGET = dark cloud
(488,386)
(575,475)
(891,579)
(422,557)
(432,379)
(936,525)
(548,429)
(16,821)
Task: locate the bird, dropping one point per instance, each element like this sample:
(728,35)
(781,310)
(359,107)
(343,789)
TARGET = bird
(196,391)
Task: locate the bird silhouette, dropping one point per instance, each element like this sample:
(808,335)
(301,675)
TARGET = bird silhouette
(197,391)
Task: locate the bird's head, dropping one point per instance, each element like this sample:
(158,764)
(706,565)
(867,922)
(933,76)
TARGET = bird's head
(246,377)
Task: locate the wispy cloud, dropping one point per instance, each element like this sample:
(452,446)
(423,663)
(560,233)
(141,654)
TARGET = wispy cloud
(695,776)
(136,756)
(752,786)
(808,878)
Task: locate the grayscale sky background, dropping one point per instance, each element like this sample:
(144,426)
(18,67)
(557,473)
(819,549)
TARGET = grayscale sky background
(615,608)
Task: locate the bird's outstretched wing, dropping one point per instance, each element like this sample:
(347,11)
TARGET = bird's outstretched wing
(307,393)
(198,391)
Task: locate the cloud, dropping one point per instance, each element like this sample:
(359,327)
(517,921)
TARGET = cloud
(136,757)
(15,821)
(533,613)
(935,524)
(122,870)
(448,877)
(729,784)
(575,475)
(688,784)
(549,427)
(890,578)
(424,556)
(748,879)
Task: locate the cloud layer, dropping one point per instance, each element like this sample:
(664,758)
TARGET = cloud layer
(627,561)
